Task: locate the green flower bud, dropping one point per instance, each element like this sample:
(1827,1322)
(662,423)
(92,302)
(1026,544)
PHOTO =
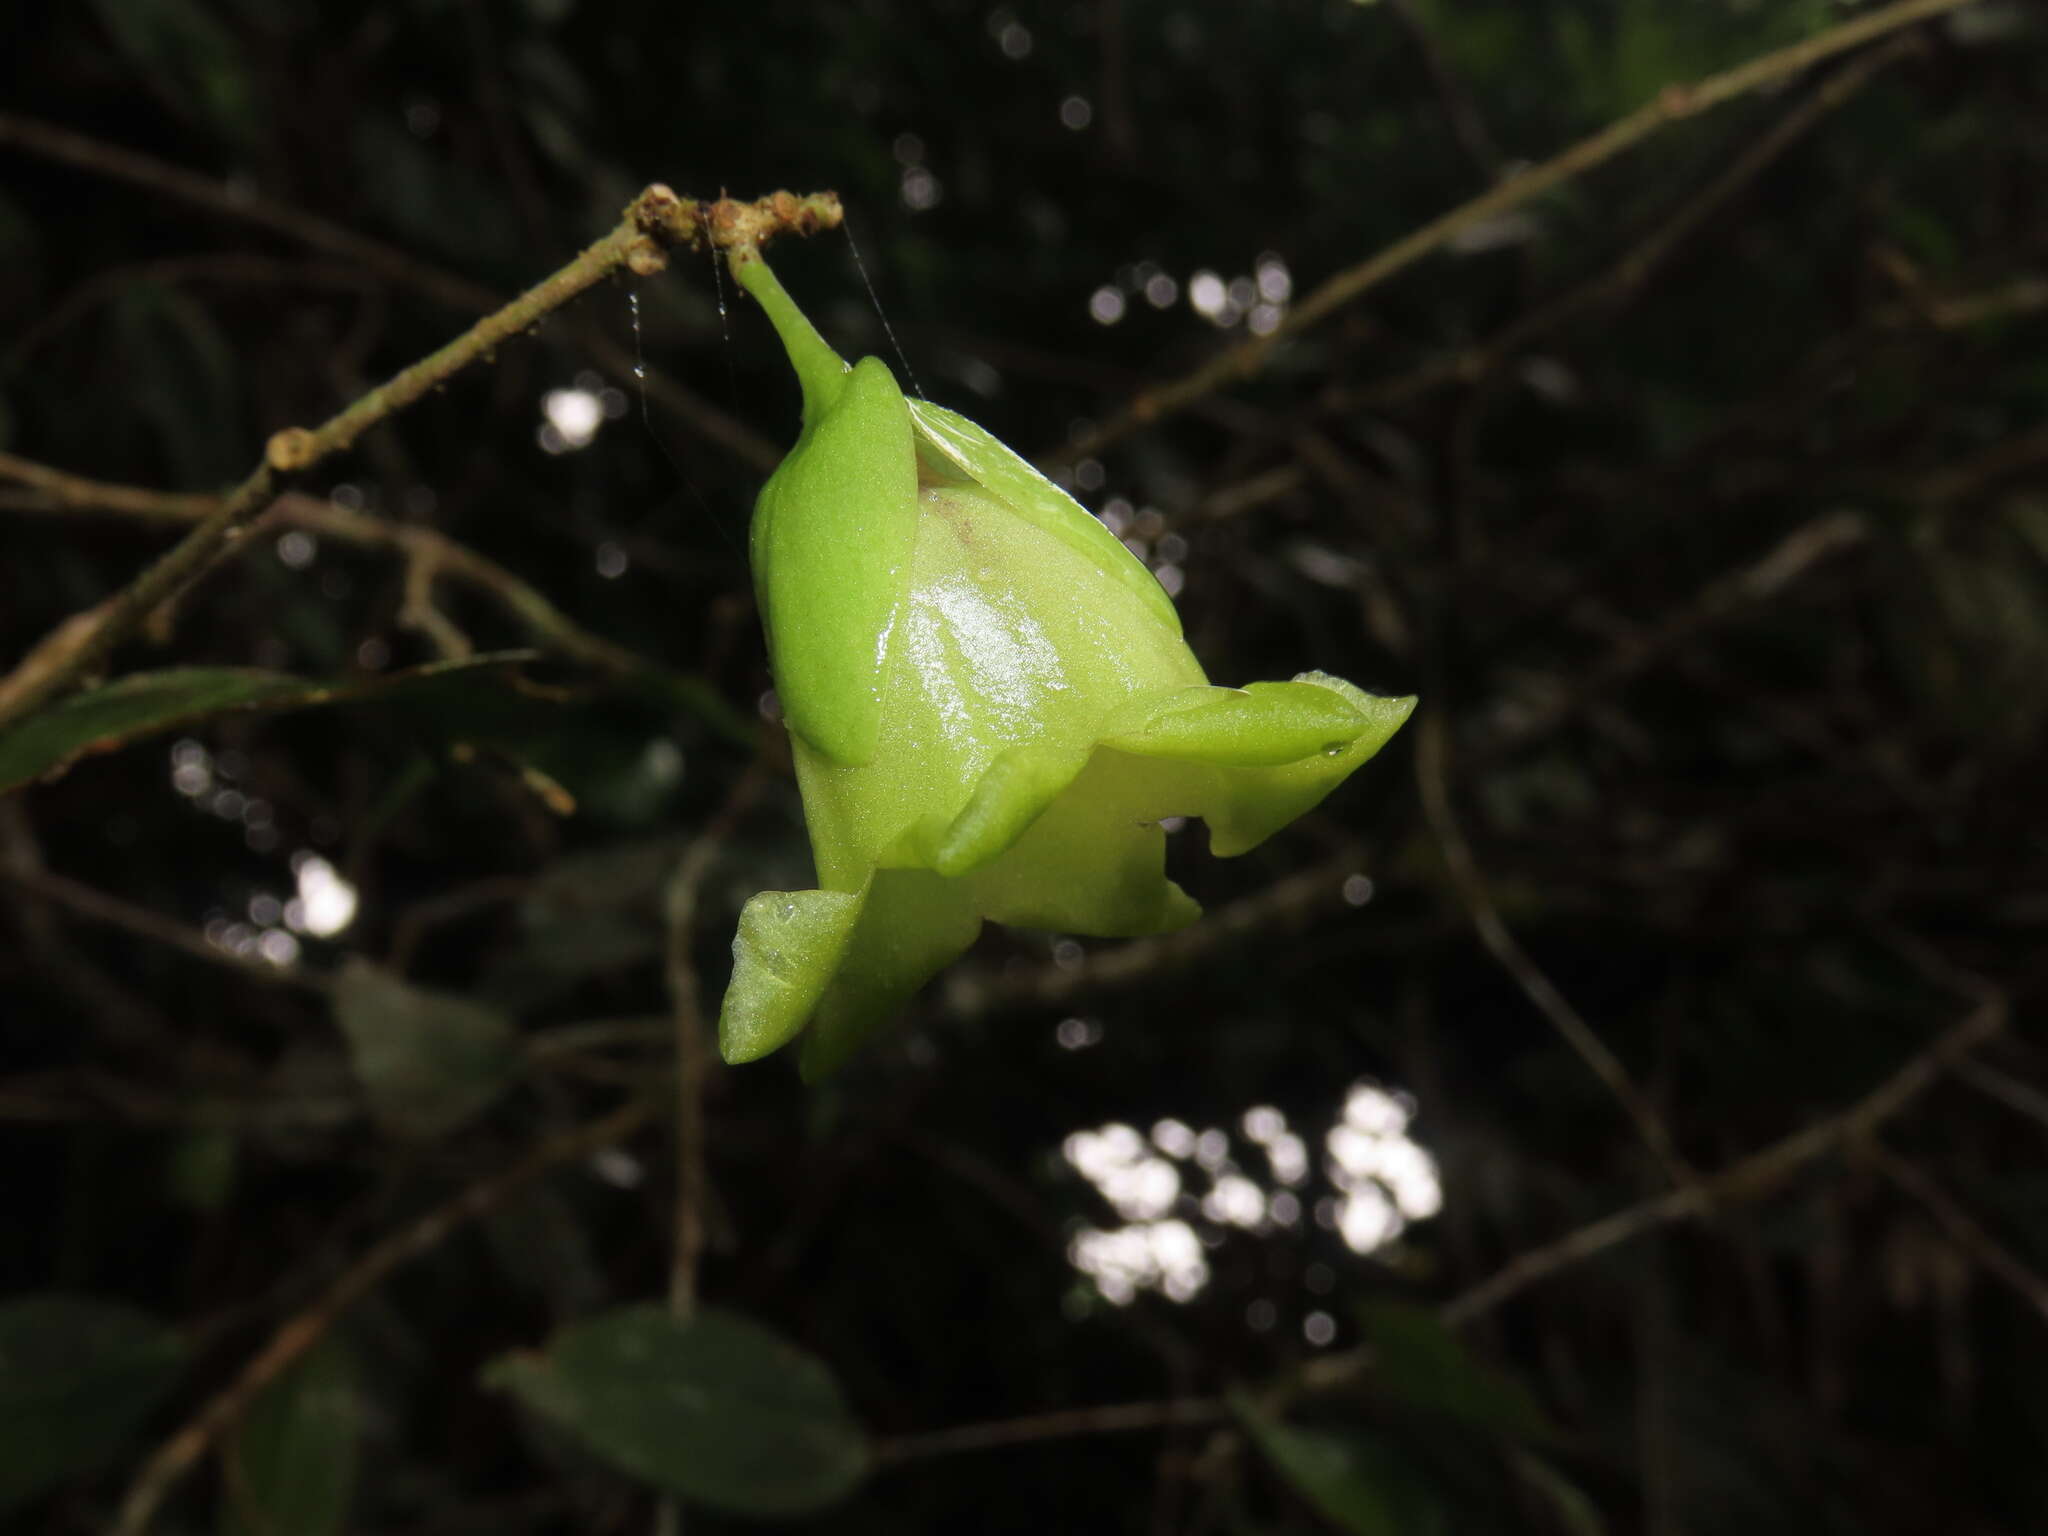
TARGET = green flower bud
(991,709)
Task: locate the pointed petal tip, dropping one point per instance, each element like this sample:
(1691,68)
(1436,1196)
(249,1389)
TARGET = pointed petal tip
(787,950)
(1263,725)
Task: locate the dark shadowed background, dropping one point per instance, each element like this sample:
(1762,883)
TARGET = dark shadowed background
(1703,499)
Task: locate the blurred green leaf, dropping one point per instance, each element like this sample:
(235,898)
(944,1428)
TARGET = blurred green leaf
(427,1060)
(76,1375)
(1353,1476)
(713,1408)
(1421,1363)
(585,915)
(434,202)
(546,1249)
(190,56)
(144,704)
(1926,236)
(129,708)
(291,1467)
(1623,53)
(553,100)
(609,749)
(179,374)
(694,697)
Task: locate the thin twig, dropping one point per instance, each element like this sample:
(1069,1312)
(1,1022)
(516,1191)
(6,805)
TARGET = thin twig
(419,919)
(129,1020)
(417,612)
(1253,492)
(91,1097)
(1627,274)
(218,266)
(973,994)
(692,1047)
(299,1333)
(231,201)
(1432,773)
(1961,1227)
(1675,103)
(2021,296)
(2014,1095)
(564,1041)
(62,491)
(693,1063)
(1468,127)
(1978,473)
(521,599)
(1066,1424)
(1752,1178)
(235,201)
(654,221)
(1792,557)
(57,491)
(97,906)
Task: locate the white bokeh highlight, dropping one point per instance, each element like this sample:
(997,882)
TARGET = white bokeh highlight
(1181,1190)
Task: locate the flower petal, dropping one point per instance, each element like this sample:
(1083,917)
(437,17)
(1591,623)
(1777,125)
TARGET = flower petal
(1245,806)
(1262,725)
(1007,476)
(831,551)
(1007,639)
(1011,795)
(911,926)
(1093,862)
(789,947)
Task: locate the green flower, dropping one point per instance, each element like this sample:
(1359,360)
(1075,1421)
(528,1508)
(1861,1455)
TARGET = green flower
(991,709)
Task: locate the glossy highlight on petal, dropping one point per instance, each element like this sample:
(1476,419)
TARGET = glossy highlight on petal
(992,709)
(1004,474)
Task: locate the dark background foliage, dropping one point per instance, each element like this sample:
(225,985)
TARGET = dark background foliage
(1724,580)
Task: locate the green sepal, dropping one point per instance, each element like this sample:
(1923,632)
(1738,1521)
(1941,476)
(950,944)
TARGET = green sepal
(1012,793)
(1383,714)
(832,536)
(1248,805)
(998,469)
(1094,860)
(912,925)
(789,947)
(1259,726)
